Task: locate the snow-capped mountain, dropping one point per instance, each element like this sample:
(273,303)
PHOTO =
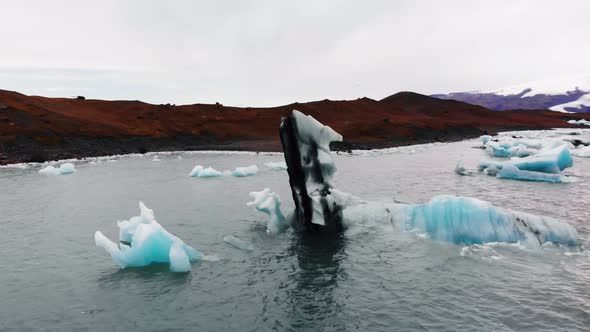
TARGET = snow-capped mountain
(561,95)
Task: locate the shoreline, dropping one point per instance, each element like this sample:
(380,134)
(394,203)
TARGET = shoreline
(337,150)
(51,154)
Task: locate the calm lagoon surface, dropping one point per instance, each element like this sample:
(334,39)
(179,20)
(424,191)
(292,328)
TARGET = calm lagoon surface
(54,278)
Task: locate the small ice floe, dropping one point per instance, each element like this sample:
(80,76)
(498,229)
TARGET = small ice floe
(66,168)
(156,158)
(16,166)
(201,172)
(269,203)
(143,241)
(582,153)
(245,171)
(461,170)
(277,166)
(485,139)
(238,243)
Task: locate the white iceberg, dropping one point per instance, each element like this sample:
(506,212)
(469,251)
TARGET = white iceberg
(201,172)
(277,166)
(245,171)
(583,152)
(66,168)
(143,241)
(269,203)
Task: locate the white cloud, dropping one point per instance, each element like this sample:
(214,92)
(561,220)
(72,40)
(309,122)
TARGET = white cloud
(276,52)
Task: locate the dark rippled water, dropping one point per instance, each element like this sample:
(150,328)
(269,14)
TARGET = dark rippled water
(370,279)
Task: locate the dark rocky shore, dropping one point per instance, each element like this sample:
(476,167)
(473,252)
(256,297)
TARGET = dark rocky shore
(35,129)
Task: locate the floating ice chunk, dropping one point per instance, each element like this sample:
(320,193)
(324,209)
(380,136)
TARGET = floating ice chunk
(549,161)
(201,172)
(156,158)
(144,241)
(238,243)
(465,221)
(511,149)
(510,171)
(491,170)
(16,166)
(277,166)
(485,139)
(209,172)
(245,171)
(66,168)
(179,260)
(583,152)
(460,169)
(196,170)
(269,203)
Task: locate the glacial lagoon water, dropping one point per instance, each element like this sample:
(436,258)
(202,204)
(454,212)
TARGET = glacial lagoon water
(369,279)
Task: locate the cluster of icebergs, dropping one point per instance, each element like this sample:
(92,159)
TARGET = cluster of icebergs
(539,157)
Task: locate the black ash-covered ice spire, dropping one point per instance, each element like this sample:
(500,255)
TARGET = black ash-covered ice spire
(306,146)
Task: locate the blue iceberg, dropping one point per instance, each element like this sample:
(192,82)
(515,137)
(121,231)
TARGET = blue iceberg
(143,241)
(545,166)
(465,221)
(550,161)
(201,172)
(510,171)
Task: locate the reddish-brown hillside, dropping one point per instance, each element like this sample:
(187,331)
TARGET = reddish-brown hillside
(38,128)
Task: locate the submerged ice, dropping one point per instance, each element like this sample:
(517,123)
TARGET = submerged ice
(143,241)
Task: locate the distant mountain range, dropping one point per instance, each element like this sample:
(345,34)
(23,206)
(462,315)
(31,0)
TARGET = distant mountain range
(563,95)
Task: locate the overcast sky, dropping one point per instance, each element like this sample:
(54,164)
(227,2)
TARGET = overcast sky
(263,53)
